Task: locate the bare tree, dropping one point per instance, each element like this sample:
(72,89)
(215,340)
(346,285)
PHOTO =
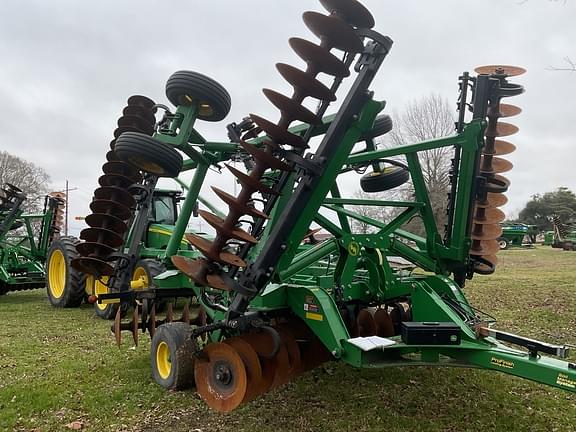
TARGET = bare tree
(570,66)
(424,119)
(32,179)
(379,213)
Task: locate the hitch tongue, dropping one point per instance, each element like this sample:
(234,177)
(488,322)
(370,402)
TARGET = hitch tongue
(533,346)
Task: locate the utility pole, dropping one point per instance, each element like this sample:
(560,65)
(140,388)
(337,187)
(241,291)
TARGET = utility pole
(66,211)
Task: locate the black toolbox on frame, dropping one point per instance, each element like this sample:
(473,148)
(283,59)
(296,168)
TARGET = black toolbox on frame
(430,333)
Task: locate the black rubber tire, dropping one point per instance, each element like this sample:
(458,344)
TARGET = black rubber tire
(389,178)
(107,311)
(569,245)
(176,336)
(151,268)
(148,154)
(187,87)
(503,243)
(382,125)
(64,291)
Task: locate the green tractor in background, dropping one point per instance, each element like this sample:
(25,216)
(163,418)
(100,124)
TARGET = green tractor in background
(68,287)
(25,239)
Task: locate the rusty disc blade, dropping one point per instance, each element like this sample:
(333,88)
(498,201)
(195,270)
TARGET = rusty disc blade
(282,367)
(142,101)
(111,156)
(314,353)
(229,231)
(111,207)
(135,324)
(489,216)
(93,266)
(493,259)
(205,246)
(152,320)
(277,133)
(492,200)
(351,11)
(293,350)
(291,108)
(250,182)
(486,232)
(237,206)
(169,312)
(496,183)
(508,110)
(497,165)
(144,113)
(501,148)
(505,129)
(256,385)
(267,364)
(264,344)
(194,269)
(136,122)
(123,169)
(102,235)
(333,31)
(108,221)
(484,247)
(221,377)
(97,249)
(201,318)
(365,323)
(304,83)
(115,193)
(266,158)
(319,59)
(185,318)
(384,324)
(115,180)
(504,70)
(117,331)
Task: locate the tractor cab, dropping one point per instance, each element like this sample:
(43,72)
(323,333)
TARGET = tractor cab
(162,218)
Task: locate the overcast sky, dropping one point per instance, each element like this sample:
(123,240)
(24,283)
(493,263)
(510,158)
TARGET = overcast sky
(69,66)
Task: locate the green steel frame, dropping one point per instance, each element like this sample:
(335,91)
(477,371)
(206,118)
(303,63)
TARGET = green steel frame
(352,268)
(316,282)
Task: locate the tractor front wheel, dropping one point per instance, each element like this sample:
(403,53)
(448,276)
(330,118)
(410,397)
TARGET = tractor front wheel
(172,356)
(64,284)
(144,272)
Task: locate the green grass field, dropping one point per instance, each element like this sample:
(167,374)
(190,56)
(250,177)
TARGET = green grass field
(61,366)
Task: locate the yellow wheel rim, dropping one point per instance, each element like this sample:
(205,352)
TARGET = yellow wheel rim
(146,165)
(57,274)
(100,287)
(163,362)
(140,273)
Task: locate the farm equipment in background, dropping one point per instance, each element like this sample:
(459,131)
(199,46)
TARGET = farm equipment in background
(562,237)
(68,287)
(25,238)
(515,234)
(260,308)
